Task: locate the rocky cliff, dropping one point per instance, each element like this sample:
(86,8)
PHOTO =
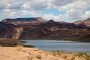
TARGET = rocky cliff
(43,29)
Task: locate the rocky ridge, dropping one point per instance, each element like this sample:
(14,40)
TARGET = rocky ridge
(83,22)
(37,28)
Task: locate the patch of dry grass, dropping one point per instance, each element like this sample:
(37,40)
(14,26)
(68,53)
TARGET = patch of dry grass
(38,56)
(70,56)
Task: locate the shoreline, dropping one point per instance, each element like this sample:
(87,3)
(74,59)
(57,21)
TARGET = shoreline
(38,45)
(20,52)
(56,39)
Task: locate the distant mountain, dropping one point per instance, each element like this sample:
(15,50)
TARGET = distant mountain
(62,25)
(38,28)
(83,22)
(24,20)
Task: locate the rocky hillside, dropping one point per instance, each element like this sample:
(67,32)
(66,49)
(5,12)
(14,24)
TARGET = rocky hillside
(43,29)
(4,25)
(19,53)
(25,32)
(83,22)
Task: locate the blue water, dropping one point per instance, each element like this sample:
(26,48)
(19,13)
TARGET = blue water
(53,45)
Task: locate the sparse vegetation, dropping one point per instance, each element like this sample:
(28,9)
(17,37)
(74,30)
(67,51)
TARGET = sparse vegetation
(62,51)
(23,41)
(87,58)
(80,54)
(28,46)
(44,50)
(19,46)
(58,51)
(68,52)
(38,56)
(72,58)
(65,56)
(13,43)
(86,54)
(54,54)
(75,54)
(9,42)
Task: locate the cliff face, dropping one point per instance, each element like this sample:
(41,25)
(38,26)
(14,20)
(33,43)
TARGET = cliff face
(38,28)
(31,32)
(18,33)
(4,25)
(13,33)
(26,32)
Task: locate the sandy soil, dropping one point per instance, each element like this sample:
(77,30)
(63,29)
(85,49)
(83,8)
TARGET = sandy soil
(19,53)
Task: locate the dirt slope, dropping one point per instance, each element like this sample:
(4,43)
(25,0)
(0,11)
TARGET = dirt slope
(18,53)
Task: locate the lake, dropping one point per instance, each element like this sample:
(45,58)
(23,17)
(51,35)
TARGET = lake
(53,45)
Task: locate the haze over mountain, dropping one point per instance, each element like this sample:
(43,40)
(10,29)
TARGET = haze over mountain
(38,28)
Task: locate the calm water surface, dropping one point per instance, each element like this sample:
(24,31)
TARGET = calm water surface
(53,45)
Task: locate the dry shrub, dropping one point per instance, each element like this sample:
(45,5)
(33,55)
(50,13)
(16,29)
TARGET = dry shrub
(19,46)
(38,56)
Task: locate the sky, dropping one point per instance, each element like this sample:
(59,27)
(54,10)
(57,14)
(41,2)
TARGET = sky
(58,10)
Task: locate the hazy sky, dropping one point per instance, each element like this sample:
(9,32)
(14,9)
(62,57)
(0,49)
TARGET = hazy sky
(58,10)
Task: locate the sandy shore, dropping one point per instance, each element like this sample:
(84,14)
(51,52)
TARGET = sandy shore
(19,53)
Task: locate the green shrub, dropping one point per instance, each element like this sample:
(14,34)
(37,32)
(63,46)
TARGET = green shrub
(86,54)
(23,41)
(87,58)
(75,54)
(72,58)
(68,52)
(29,46)
(65,56)
(58,51)
(62,51)
(44,50)
(80,54)
(71,52)
(54,54)
(53,51)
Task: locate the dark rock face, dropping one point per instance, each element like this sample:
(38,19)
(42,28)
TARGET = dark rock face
(4,25)
(34,32)
(46,30)
(28,32)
